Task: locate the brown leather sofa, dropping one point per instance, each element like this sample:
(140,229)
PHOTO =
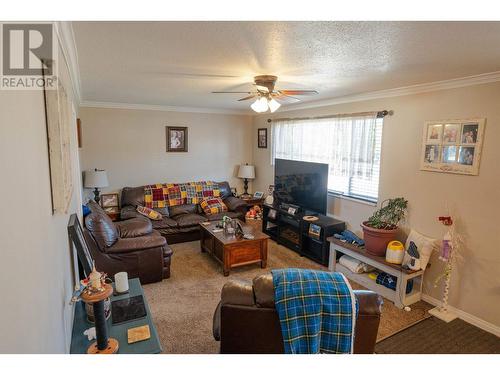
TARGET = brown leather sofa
(180,223)
(246,321)
(131,246)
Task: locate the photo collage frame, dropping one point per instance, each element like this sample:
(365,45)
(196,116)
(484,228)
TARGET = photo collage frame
(452,146)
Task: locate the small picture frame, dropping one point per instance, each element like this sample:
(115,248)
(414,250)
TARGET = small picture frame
(258,195)
(466,155)
(449,154)
(272,214)
(262,137)
(451,133)
(292,210)
(432,154)
(109,200)
(177,138)
(434,133)
(469,133)
(314,230)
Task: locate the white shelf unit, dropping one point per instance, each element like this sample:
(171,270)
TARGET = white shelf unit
(398,296)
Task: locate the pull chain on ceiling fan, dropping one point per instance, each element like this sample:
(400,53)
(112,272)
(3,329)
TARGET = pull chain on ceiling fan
(266,97)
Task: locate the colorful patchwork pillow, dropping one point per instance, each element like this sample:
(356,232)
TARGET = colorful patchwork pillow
(148,212)
(213,205)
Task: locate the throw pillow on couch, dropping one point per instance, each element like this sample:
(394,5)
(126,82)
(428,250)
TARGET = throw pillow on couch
(213,205)
(148,212)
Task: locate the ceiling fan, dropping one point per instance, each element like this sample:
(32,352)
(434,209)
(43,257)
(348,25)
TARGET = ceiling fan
(266,96)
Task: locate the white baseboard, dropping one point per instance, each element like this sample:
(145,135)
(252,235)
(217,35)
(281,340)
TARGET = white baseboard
(469,318)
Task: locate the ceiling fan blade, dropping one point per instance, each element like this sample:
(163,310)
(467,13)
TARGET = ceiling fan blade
(247,97)
(298,92)
(232,92)
(285,98)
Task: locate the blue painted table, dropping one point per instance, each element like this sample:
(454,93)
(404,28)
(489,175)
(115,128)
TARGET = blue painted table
(79,342)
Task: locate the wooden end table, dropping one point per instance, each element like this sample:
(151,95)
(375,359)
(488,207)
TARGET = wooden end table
(251,201)
(232,251)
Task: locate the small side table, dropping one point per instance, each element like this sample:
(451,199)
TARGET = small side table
(114,216)
(79,342)
(253,202)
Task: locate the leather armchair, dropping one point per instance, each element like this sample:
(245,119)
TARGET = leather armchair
(246,321)
(131,246)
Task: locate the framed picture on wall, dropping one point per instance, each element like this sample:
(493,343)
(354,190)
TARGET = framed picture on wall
(262,138)
(177,138)
(452,146)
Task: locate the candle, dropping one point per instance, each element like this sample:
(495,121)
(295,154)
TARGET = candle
(121,282)
(95,279)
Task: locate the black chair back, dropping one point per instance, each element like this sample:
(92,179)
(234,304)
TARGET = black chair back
(75,233)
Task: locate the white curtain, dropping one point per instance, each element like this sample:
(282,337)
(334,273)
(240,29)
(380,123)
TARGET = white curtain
(350,145)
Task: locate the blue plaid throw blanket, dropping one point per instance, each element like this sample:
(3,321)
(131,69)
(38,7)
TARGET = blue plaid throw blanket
(317,311)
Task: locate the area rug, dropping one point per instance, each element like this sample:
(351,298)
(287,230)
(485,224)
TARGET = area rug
(183,306)
(433,336)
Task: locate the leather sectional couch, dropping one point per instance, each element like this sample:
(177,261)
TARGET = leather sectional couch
(246,321)
(180,223)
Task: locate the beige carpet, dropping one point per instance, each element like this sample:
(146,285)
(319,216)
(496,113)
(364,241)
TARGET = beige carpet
(183,305)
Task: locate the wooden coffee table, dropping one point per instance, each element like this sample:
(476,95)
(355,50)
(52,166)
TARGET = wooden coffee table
(232,251)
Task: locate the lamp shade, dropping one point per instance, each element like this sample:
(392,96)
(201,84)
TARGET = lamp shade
(96,179)
(246,171)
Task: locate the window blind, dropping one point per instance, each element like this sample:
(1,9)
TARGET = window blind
(351,146)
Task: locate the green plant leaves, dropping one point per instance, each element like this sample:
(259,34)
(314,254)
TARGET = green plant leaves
(389,216)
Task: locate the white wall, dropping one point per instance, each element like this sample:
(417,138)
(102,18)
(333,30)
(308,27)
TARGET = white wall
(131,146)
(474,200)
(36,277)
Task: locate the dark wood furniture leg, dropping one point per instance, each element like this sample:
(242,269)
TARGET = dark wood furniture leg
(202,239)
(226,266)
(263,253)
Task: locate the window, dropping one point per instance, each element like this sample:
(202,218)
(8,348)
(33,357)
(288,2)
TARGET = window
(349,145)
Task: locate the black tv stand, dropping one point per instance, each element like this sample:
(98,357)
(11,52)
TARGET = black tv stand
(292,231)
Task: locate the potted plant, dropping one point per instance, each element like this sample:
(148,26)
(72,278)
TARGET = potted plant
(381,227)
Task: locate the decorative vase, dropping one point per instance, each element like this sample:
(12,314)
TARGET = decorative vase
(376,240)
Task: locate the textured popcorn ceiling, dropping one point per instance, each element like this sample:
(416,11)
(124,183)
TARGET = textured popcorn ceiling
(180,63)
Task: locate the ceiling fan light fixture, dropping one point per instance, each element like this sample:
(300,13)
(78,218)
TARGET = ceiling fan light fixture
(273,105)
(260,105)
(262,88)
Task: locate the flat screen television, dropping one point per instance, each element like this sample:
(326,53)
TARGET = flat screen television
(302,184)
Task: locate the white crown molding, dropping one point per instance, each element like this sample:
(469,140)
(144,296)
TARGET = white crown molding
(401,91)
(67,42)
(469,318)
(165,108)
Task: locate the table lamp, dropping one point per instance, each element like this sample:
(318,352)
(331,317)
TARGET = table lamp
(246,172)
(96,179)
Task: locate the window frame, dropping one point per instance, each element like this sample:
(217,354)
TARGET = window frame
(350,196)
